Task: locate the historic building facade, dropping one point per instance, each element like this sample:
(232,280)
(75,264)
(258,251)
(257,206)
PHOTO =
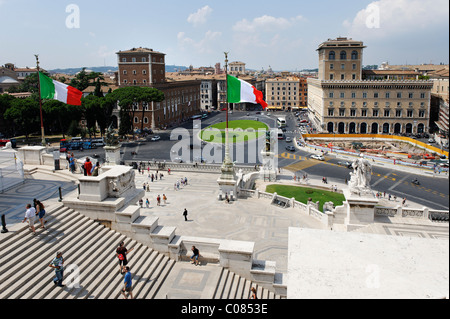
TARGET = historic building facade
(340,100)
(146,68)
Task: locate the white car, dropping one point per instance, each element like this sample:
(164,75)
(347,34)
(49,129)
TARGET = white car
(317,157)
(177,160)
(288,140)
(156,138)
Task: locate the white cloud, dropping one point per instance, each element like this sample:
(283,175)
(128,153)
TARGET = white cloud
(201,16)
(387,18)
(265,23)
(205,45)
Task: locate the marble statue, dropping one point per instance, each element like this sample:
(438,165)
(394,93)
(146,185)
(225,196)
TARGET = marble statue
(361,176)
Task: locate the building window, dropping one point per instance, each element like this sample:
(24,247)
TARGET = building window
(364,95)
(398,113)
(331,77)
(353,76)
(144,72)
(364,113)
(354,66)
(144,59)
(399,95)
(342,76)
(353,113)
(342,66)
(124,59)
(331,66)
(388,95)
(332,55)
(331,95)
(387,113)
(354,55)
(421,114)
(410,113)
(375,95)
(330,112)
(124,72)
(342,95)
(342,112)
(375,113)
(134,72)
(411,95)
(145,120)
(343,55)
(422,95)
(136,119)
(133,59)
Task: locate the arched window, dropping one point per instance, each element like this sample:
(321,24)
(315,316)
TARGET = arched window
(343,55)
(332,55)
(355,55)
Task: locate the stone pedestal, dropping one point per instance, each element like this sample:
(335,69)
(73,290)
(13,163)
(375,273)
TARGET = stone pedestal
(228,180)
(112,155)
(360,209)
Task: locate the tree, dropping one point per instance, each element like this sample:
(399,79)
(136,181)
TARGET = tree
(6,127)
(24,113)
(127,98)
(59,116)
(83,80)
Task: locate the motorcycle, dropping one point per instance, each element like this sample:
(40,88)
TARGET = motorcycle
(416,182)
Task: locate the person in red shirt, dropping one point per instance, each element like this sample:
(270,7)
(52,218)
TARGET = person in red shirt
(88,166)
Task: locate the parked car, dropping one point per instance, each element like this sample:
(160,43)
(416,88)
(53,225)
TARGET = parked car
(288,139)
(290,148)
(431,141)
(156,138)
(317,157)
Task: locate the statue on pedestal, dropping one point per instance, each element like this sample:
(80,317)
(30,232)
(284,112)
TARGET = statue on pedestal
(361,176)
(111,138)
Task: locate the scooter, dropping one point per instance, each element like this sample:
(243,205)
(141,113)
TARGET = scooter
(416,182)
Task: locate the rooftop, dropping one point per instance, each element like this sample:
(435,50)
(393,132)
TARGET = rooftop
(139,50)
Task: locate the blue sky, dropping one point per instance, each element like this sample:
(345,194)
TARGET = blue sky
(282,34)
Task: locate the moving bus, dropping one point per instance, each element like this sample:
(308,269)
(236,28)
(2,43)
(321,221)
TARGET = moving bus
(280,135)
(281,121)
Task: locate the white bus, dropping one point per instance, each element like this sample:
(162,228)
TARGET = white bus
(281,121)
(280,135)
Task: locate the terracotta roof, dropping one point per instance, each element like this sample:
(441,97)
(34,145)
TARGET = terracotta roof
(389,72)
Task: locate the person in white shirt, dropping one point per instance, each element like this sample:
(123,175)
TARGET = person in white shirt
(30,215)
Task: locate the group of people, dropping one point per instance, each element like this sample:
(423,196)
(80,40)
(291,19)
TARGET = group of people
(88,168)
(37,210)
(158,201)
(182,182)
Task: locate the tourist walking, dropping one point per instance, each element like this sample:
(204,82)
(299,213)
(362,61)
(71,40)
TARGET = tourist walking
(127,284)
(121,254)
(58,265)
(185,214)
(40,212)
(158,199)
(165,199)
(253,293)
(147,203)
(30,216)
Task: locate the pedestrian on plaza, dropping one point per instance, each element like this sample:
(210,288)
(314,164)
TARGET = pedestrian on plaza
(195,256)
(178,185)
(144,186)
(185,181)
(148,188)
(153,177)
(158,199)
(58,265)
(404,202)
(175,186)
(121,254)
(168,171)
(127,283)
(390,196)
(30,216)
(165,199)
(141,203)
(72,164)
(40,212)
(147,203)
(185,214)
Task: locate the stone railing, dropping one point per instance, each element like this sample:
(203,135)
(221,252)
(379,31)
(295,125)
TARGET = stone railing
(190,167)
(422,213)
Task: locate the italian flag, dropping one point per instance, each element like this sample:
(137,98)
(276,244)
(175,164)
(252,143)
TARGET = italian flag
(54,90)
(243,92)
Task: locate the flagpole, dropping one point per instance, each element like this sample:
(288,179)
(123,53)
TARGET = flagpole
(227,159)
(40,100)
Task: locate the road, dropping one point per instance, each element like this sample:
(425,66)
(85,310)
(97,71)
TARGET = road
(433,192)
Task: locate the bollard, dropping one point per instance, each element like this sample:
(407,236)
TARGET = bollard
(4,230)
(60,195)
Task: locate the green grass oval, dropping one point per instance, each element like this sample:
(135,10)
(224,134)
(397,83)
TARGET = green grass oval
(240,131)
